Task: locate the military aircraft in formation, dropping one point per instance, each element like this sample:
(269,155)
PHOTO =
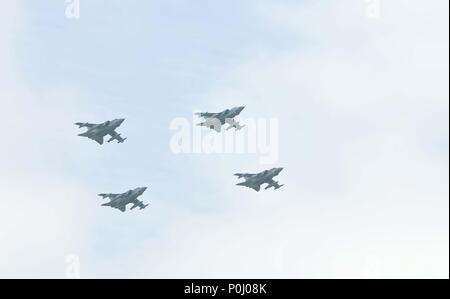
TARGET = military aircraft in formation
(120,201)
(98,131)
(215,121)
(255,181)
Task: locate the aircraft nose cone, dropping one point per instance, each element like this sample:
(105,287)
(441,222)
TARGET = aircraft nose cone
(121,120)
(241,108)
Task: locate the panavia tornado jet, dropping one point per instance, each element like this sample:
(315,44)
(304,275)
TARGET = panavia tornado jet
(255,181)
(98,132)
(120,201)
(215,121)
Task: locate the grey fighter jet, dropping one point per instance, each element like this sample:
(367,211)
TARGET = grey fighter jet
(120,201)
(255,181)
(98,132)
(215,121)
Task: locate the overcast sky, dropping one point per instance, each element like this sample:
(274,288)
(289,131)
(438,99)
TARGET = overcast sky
(360,93)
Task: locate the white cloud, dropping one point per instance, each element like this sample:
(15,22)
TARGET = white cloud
(42,221)
(363,109)
(366,189)
(41,208)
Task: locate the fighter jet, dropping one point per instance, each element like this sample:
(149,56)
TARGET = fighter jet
(255,181)
(120,201)
(215,121)
(98,132)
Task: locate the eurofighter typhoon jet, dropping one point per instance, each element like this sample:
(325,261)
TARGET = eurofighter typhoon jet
(255,181)
(215,121)
(120,201)
(98,132)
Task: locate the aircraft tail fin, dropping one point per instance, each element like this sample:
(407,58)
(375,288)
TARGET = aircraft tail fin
(80,125)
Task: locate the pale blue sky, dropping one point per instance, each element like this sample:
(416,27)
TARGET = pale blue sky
(144,61)
(363,111)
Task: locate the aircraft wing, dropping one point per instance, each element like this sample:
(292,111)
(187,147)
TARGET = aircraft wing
(233,124)
(121,208)
(213,124)
(115,136)
(138,204)
(273,184)
(98,139)
(255,187)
